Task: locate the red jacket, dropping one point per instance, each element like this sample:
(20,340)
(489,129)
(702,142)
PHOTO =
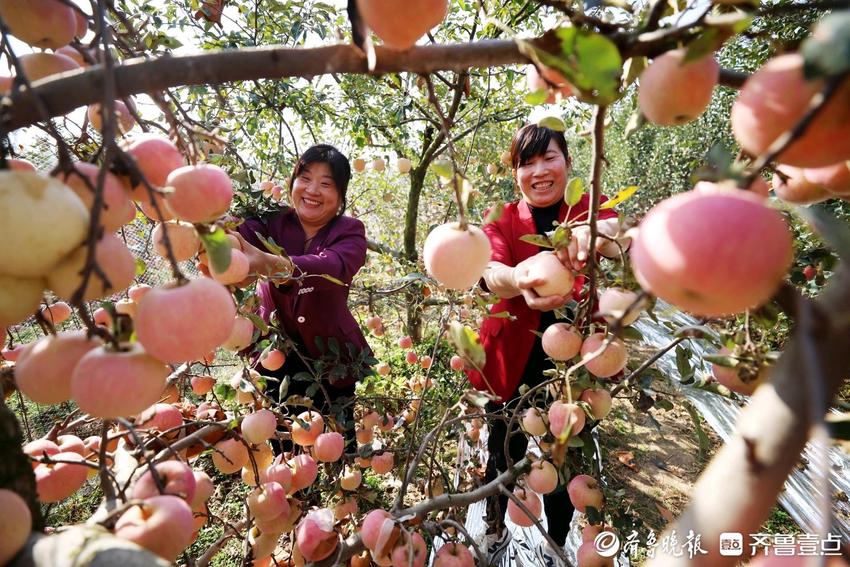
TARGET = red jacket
(507,343)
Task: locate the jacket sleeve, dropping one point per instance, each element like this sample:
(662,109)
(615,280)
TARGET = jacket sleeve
(500,246)
(341,258)
(248,229)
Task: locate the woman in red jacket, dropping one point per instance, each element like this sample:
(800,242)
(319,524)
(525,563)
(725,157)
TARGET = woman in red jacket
(330,349)
(541,167)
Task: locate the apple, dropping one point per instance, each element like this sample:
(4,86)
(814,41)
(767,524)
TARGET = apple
(584,491)
(15,524)
(161,524)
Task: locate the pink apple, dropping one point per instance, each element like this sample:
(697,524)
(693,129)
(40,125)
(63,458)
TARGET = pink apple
(599,400)
(584,491)
(268,501)
(382,463)
(160,417)
(15,524)
(161,524)
(305,471)
(587,556)
(351,479)
(370,531)
(565,420)
(402,556)
(204,488)
(272,359)
(259,426)
(454,555)
(456,363)
(280,473)
(405,343)
(531,500)
(177,479)
(542,478)
(202,385)
(328,447)
(55,482)
(532,422)
(305,435)
(316,536)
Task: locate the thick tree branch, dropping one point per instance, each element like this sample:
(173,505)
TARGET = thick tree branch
(65,92)
(739,487)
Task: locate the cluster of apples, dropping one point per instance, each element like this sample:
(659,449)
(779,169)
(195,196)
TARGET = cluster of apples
(562,420)
(381,462)
(378,165)
(53,24)
(271,190)
(391,543)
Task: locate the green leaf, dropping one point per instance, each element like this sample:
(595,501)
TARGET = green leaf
(443,168)
(632,69)
(552,123)
(696,331)
(495,212)
(683,364)
(331,279)
(632,334)
(560,237)
(258,322)
(575,191)
(537,97)
(141,267)
(702,438)
(621,196)
(723,360)
(636,121)
(467,344)
(591,62)
(827,51)
(707,43)
(537,240)
(575,442)
(217,246)
(271,245)
(502,315)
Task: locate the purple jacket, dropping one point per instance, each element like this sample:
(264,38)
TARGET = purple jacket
(315,306)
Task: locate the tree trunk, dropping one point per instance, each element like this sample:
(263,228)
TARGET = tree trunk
(413,294)
(15,469)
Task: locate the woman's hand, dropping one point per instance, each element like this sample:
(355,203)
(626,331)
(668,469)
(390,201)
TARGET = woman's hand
(526,284)
(262,263)
(575,255)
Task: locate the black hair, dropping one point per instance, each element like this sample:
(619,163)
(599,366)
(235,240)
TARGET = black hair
(337,162)
(532,140)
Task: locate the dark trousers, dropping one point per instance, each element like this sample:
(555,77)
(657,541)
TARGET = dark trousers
(559,509)
(338,402)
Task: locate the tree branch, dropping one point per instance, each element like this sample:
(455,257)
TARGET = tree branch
(739,487)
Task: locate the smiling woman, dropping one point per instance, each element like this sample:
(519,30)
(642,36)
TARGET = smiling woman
(541,166)
(313,311)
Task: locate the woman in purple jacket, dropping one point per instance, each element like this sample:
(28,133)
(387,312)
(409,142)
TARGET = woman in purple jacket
(313,310)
